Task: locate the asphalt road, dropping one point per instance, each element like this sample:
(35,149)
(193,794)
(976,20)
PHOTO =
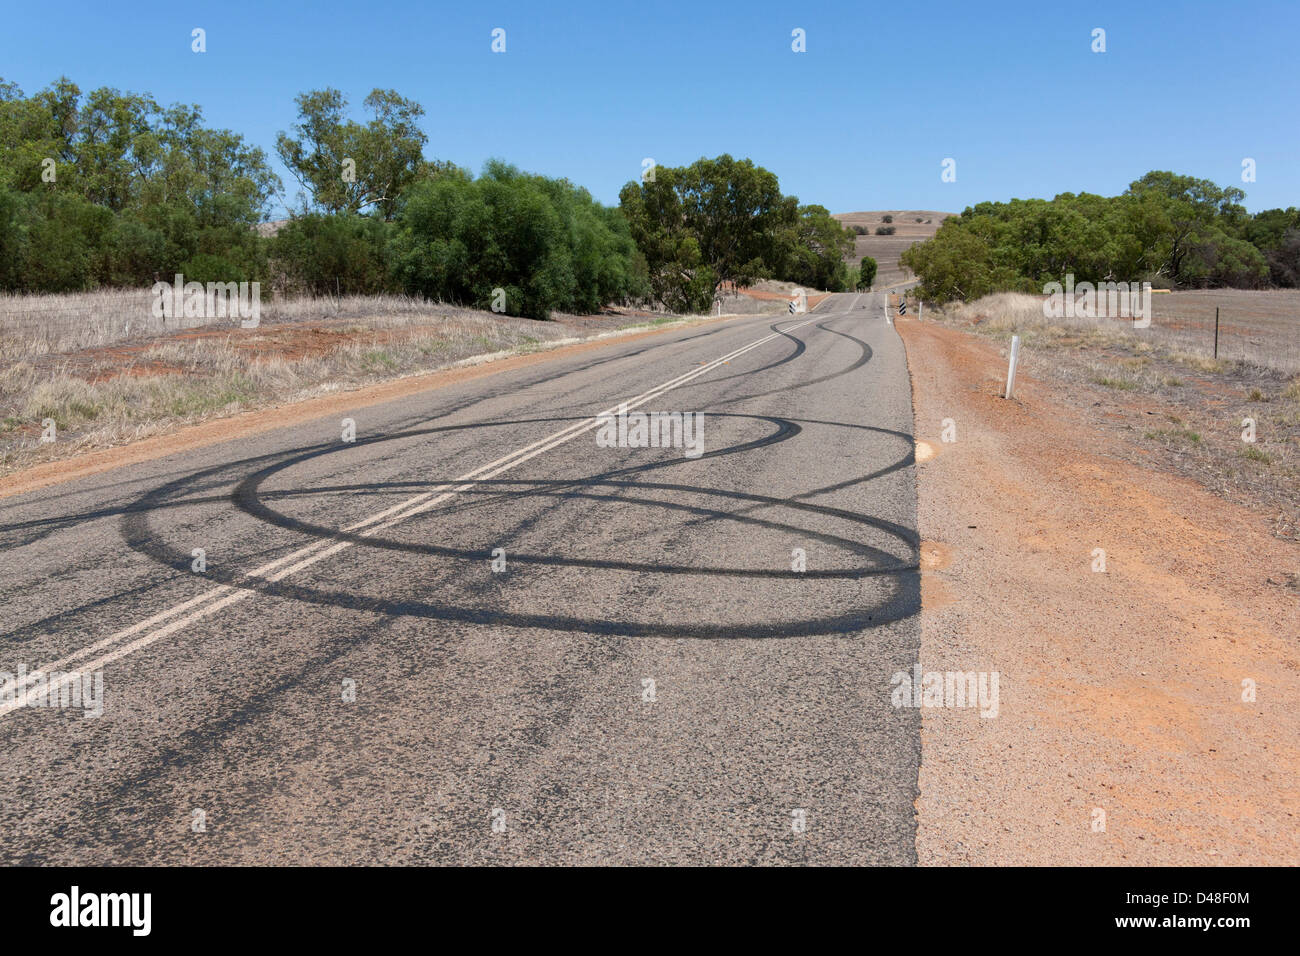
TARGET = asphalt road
(499,715)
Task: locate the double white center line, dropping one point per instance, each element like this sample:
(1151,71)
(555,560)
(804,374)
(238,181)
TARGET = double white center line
(19,693)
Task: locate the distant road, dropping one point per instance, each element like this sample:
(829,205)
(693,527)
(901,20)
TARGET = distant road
(647,680)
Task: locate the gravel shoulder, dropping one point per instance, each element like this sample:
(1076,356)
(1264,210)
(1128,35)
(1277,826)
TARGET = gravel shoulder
(1120,691)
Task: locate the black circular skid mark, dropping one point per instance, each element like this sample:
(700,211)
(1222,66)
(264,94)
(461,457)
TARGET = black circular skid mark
(866,355)
(904,602)
(326,447)
(800,346)
(246,496)
(863,359)
(135,529)
(784,430)
(256,508)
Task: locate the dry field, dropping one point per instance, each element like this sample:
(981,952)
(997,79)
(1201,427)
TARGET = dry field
(1262,328)
(1177,407)
(106,372)
(1255,328)
(36,325)
(886,249)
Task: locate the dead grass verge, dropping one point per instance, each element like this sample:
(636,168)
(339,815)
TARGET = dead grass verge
(1182,410)
(115,394)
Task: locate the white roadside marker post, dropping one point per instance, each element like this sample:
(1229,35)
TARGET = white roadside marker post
(1011,366)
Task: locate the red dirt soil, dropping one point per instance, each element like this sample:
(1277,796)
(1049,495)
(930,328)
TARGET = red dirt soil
(1121,691)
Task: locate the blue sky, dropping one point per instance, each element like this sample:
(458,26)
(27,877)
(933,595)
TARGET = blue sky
(862,120)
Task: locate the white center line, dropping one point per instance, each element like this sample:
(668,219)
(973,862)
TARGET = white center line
(19,693)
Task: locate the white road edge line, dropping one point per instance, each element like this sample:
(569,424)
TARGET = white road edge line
(311,554)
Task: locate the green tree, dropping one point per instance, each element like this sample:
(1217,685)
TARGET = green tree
(815,249)
(867,273)
(348,166)
(1165,228)
(1274,233)
(959,265)
(1189,213)
(137,190)
(1284,260)
(716,221)
(36,128)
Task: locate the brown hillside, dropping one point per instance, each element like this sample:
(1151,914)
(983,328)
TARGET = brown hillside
(886,249)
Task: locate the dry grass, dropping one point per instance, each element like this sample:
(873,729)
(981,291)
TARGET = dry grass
(1122,376)
(113,377)
(1113,381)
(1262,331)
(1174,435)
(35,325)
(191,381)
(32,325)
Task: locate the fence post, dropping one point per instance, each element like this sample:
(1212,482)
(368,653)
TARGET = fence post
(1216,333)
(1011,366)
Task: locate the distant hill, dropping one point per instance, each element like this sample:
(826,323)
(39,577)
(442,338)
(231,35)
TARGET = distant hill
(269,229)
(886,249)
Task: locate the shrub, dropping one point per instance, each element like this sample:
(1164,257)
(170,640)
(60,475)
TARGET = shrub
(141,191)
(205,267)
(542,242)
(60,244)
(133,253)
(343,254)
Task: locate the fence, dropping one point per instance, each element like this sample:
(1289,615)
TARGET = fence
(1259,328)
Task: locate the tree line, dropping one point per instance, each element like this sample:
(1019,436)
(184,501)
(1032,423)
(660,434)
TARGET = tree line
(1171,230)
(113,189)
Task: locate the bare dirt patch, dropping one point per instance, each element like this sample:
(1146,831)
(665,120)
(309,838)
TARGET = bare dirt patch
(767,297)
(1121,690)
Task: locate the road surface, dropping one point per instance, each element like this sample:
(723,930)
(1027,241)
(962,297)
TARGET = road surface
(649,678)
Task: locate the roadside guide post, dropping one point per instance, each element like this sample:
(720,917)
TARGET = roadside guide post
(1011,367)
